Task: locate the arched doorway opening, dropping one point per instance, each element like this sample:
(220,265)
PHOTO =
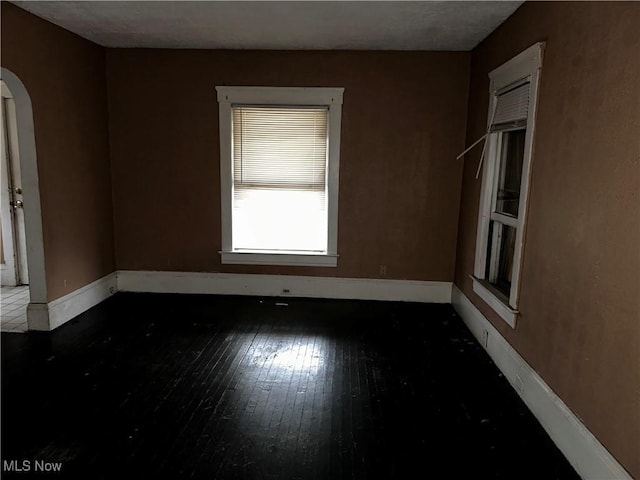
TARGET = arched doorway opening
(21,109)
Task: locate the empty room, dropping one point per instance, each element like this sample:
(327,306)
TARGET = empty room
(320,240)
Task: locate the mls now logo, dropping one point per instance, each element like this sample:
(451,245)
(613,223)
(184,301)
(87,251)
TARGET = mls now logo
(27,466)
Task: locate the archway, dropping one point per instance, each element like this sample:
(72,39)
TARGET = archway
(37,311)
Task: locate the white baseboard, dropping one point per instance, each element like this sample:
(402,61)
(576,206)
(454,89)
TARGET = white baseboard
(284,286)
(581,448)
(47,316)
(38,317)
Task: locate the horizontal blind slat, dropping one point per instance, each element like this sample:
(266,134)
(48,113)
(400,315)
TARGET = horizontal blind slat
(512,106)
(284,146)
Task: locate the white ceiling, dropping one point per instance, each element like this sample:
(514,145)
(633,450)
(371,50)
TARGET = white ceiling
(279,25)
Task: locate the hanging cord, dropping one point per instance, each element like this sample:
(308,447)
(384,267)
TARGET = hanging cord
(484,149)
(484,137)
(472,145)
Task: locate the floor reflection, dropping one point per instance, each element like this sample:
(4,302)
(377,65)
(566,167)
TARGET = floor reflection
(305,354)
(275,408)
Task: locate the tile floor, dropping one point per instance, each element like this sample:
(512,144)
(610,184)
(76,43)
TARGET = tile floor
(13,309)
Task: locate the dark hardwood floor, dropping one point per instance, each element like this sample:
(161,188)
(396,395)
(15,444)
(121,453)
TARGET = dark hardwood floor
(170,386)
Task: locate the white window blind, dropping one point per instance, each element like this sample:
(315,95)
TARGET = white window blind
(510,112)
(512,108)
(279,178)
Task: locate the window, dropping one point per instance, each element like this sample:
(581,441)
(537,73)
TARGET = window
(501,221)
(279,165)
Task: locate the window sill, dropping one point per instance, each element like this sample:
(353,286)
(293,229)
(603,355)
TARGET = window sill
(507,313)
(288,259)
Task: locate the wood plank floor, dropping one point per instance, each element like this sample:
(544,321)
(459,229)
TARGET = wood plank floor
(181,386)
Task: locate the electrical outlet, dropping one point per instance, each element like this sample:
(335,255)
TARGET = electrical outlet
(485,339)
(286,291)
(383,270)
(111,290)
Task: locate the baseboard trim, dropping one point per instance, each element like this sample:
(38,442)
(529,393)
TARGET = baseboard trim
(284,286)
(581,448)
(38,317)
(48,316)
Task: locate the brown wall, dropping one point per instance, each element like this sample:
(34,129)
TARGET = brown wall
(65,77)
(403,124)
(580,321)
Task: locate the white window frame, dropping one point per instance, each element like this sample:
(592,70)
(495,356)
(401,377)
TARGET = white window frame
(525,66)
(283,96)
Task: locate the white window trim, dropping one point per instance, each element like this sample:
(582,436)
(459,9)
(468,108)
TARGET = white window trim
(291,259)
(290,96)
(527,64)
(492,298)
